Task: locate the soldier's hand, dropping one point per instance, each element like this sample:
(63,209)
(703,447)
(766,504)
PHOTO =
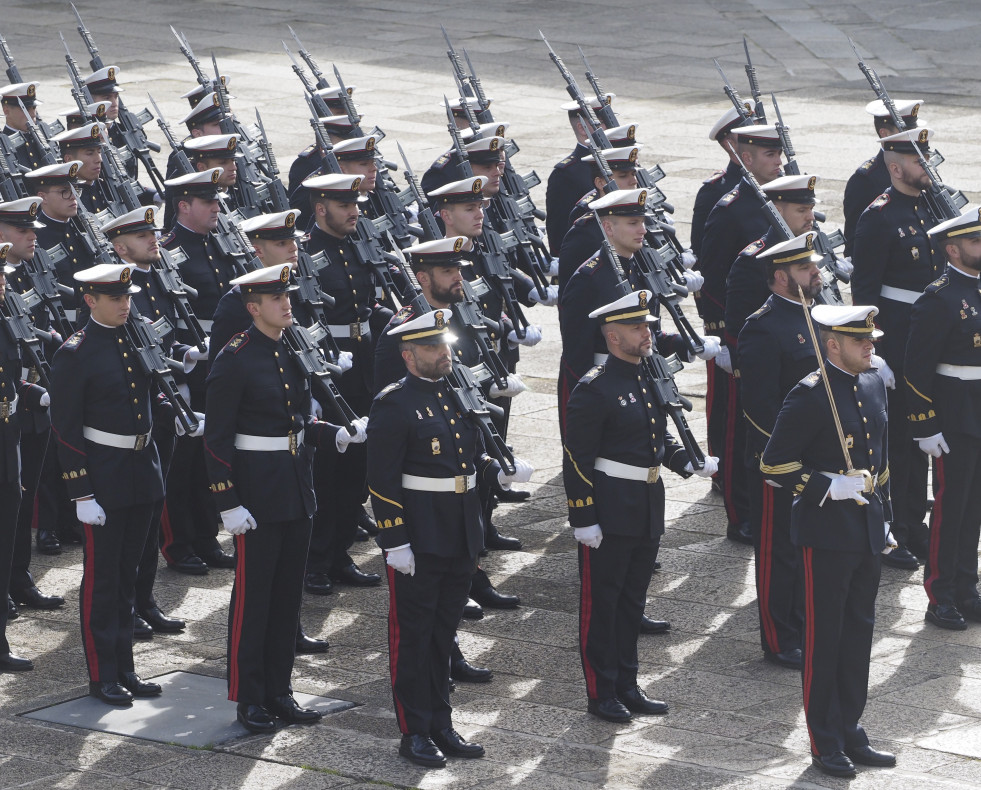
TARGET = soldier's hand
(891,542)
(553,267)
(44,401)
(934,445)
(709,467)
(316,410)
(195,354)
(199,431)
(550,299)
(880,366)
(711,347)
(88,511)
(513,386)
(522,474)
(402,559)
(343,438)
(533,336)
(844,266)
(693,281)
(590,536)
(688,259)
(345,361)
(847,487)
(237,521)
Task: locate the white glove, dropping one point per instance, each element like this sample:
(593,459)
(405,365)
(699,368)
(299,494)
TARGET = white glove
(880,366)
(345,361)
(44,401)
(844,266)
(343,438)
(712,348)
(551,296)
(316,410)
(710,467)
(522,474)
(533,336)
(237,521)
(847,487)
(934,445)
(402,559)
(688,259)
(88,511)
(185,392)
(179,429)
(553,267)
(724,360)
(195,354)
(891,543)
(515,386)
(590,536)
(693,281)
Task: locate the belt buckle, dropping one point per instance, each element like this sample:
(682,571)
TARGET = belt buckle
(653,474)
(460,484)
(141,441)
(4,410)
(356,330)
(293,442)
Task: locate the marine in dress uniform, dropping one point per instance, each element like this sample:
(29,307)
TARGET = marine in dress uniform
(486,156)
(838,523)
(872,176)
(260,446)
(622,158)
(11,97)
(736,220)
(102,414)
(943,381)
(204,119)
(612,480)
(309,161)
(775,352)
(190,524)
(84,144)
(894,261)
(424,459)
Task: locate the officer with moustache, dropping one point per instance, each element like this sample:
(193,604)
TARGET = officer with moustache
(616,443)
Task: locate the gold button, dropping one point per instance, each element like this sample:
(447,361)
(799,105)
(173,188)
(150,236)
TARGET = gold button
(870,451)
(457,435)
(125,355)
(860,404)
(453,422)
(275,353)
(460,450)
(132,385)
(652,420)
(135,400)
(287,386)
(139,416)
(280,370)
(439,394)
(464,466)
(865,419)
(119,340)
(446,408)
(649,406)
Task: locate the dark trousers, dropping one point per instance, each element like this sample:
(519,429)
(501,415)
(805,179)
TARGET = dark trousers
(727,440)
(146,574)
(111,553)
(613,592)
(189,524)
(839,616)
(265,609)
(9,504)
(909,468)
(779,591)
(33,448)
(423,612)
(951,575)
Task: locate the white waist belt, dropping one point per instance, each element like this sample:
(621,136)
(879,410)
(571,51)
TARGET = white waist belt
(9,408)
(642,474)
(268,444)
(899,294)
(117,440)
(443,485)
(600,359)
(349,330)
(963,372)
(204,322)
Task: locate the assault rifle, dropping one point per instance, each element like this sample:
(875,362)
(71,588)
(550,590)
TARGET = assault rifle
(754,85)
(15,316)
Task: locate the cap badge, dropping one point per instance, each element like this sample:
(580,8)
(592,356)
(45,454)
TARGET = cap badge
(148,216)
(73,170)
(631,132)
(810,241)
(31,91)
(214,101)
(869,321)
(370,144)
(355,184)
(32,211)
(215,175)
(914,111)
(124,275)
(923,136)
(232,142)
(642,197)
(477,186)
(811,182)
(350,91)
(440,322)
(608,99)
(499,132)
(493,144)
(633,155)
(284,275)
(642,299)
(111,74)
(101,109)
(95,131)
(290,219)
(458,244)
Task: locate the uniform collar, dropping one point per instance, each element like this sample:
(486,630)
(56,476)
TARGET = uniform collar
(834,370)
(423,385)
(965,275)
(617,365)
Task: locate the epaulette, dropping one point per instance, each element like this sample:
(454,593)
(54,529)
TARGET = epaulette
(716,176)
(811,379)
(390,388)
(165,240)
(237,343)
(442,161)
(762,311)
(592,373)
(752,248)
(592,264)
(941,282)
(565,162)
(580,221)
(880,202)
(588,198)
(866,166)
(728,197)
(404,314)
(310,149)
(74,341)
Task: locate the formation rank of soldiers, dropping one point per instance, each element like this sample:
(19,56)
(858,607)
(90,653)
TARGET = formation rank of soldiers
(155,383)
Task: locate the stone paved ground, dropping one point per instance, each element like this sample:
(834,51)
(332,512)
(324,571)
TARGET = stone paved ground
(735,721)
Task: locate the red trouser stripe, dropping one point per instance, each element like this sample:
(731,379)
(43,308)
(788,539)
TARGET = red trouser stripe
(585,620)
(168,535)
(936,525)
(393,646)
(765,571)
(88,581)
(237,618)
(808,553)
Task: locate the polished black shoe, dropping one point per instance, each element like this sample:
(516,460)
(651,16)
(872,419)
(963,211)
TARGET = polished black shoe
(421,750)
(836,764)
(111,693)
(141,628)
(513,495)
(636,701)
(361,536)
(473,610)
(648,626)
(353,575)
(35,599)
(218,559)
(139,687)
(12,612)
(657,566)
(901,558)
(160,622)
(367,523)
(450,742)
(920,549)
(47,542)
(308,645)
(791,659)
(11,663)
(945,615)
(610,710)
(255,718)
(318,584)
(492,599)
(289,710)
(495,540)
(465,672)
(192,565)
(740,533)
(866,755)
(971,609)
